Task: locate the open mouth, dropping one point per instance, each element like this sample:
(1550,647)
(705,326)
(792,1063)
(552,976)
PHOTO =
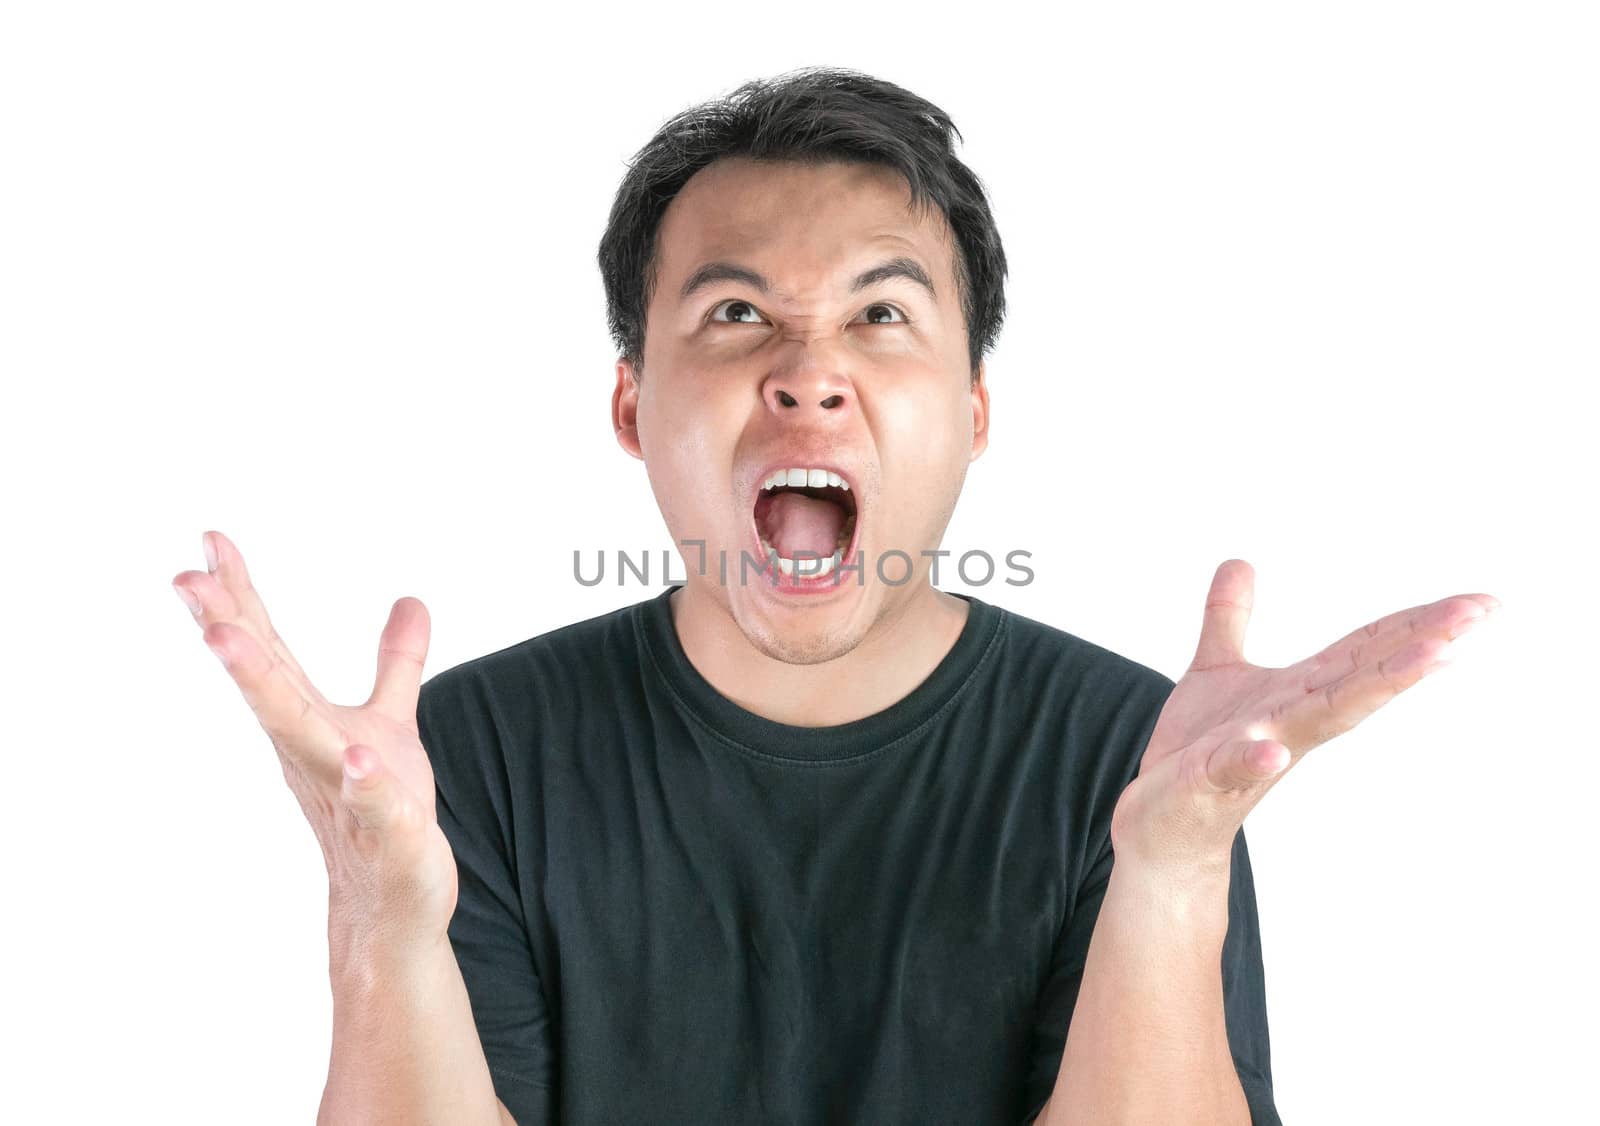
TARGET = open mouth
(806,519)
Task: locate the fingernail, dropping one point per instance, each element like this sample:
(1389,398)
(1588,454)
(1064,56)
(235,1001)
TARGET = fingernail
(211,553)
(188,597)
(1466,623)
(221,655)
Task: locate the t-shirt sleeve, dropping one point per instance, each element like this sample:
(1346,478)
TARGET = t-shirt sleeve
(1243,989)
(487,931)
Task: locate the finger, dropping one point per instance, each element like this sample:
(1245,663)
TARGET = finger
(299,726)
(402,649)
(1446,619)
(370,793)
(209,601)
(242,602)
(1245,763)
(1319,715)
(1227,613)
(184,582)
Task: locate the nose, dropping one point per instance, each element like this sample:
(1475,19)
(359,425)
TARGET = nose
(813,392)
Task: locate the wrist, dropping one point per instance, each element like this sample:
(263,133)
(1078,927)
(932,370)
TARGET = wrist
(1172,898)
(1184,844)
(374,984)
(365,951)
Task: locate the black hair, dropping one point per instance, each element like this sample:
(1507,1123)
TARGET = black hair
(811,115)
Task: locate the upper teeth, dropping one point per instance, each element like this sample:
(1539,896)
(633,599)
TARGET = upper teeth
(810,478)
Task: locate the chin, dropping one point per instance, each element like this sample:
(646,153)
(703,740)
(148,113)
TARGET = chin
(800,635)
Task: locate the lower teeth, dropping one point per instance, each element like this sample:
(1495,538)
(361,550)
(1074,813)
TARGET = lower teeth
(807,566)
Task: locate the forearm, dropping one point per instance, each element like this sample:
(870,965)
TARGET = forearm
(405,1048)
(1148,1042)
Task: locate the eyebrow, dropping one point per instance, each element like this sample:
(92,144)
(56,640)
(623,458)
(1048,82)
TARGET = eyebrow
(902,267)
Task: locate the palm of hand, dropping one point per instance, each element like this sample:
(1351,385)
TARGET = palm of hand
(396,742)
(1229,729)
(385,855)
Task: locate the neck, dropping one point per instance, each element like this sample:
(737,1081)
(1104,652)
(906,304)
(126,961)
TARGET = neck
(901,648)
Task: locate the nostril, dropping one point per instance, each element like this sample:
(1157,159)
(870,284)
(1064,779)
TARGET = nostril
(787,400)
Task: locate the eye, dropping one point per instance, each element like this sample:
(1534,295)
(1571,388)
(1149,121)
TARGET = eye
(879,305)
(733,304)
(737,307)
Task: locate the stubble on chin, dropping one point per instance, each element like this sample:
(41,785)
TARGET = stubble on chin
(802,645)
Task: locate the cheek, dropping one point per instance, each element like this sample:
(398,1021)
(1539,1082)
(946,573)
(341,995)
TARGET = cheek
(669,431)
(926,451)
(687,458)
(931,432)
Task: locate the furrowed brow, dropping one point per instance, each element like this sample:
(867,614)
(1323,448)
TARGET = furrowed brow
(711,272)
(908,268)
(721,271)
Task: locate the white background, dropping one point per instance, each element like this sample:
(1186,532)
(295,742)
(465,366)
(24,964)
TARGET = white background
(1314,285)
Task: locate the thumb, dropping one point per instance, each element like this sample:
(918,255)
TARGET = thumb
(401,651)
(368,790)
(1244,763)
(1227,613)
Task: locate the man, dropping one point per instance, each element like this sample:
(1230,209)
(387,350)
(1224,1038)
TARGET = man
(805,839)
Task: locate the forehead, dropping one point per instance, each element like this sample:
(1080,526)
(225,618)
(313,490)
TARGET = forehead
(802,225)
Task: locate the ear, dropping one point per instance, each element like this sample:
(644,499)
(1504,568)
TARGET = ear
(625,409)
(980,413)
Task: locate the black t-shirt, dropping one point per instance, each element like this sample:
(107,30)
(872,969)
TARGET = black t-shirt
(673,910)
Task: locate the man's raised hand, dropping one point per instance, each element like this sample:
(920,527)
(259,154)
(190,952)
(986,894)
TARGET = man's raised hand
(1230,730)
(360,773)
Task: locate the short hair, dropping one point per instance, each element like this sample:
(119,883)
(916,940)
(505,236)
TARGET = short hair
(812,115)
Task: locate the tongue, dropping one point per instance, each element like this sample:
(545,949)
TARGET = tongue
(803,527)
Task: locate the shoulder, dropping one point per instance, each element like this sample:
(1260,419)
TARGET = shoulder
(1044,657)
(572,660)
(1084,714)
(1083,711)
